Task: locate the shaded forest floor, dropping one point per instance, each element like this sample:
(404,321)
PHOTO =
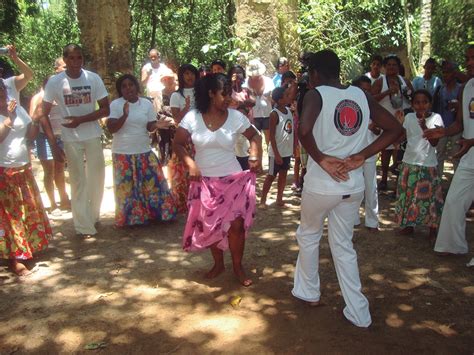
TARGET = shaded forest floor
(136,291)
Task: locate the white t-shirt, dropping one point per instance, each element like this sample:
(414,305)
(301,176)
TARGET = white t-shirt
(467,161)
(340,130)
(133,137)
(284,133)
(12,92)
(14,150)
(154,80)
(263,103)
(215,155)
(419,151)
(76,97)
(372,79)
(371,137)
(178,101)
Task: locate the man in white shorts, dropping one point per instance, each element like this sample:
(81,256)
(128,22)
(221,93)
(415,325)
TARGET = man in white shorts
(333,130)
(76,91)
(452,230)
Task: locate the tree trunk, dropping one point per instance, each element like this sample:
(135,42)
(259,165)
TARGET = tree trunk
(412,68)
(425,32)
(269,28)
(105,36)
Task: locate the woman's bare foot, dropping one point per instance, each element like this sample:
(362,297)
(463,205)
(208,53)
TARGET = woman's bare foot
(281,203)
(407,231)
(18,268)
(215,271)
(262,205)
(243,279)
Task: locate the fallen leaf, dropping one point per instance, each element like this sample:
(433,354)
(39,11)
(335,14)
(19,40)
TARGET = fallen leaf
(95,346)
(235,301)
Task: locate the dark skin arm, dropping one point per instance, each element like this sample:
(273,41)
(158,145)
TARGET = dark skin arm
(392,130)
(43,111)
(114,125)
(102,111)
(273,124)
(312,105)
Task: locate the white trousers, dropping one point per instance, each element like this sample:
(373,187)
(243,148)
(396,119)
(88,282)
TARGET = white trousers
(446,147)
(87,182)
(452,229)
(371,196)
(340,212)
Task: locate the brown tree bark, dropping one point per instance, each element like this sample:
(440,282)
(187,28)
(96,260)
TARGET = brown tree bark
(269,27)
(105,36)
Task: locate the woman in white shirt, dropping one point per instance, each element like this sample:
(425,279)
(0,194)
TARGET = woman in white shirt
(221,196)
(141,190)
(420,194)
(24,225)
(181,102)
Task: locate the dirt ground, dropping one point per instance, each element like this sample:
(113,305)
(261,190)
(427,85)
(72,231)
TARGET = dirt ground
(136,291)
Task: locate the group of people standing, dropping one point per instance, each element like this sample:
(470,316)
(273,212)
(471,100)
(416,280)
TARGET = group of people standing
(208,131)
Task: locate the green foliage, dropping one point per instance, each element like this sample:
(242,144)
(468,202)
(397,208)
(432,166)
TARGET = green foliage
(452,29)
(353,29)
(45,30)
(9,18)
(188,31)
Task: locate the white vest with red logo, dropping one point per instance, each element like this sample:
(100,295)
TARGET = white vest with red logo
(340,130)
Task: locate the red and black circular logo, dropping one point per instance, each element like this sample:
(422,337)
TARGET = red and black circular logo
(347,117)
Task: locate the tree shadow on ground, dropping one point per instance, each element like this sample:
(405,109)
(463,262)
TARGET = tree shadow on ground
(136,290)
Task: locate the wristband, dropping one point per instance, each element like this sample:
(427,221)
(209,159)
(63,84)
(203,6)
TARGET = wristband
(253,158)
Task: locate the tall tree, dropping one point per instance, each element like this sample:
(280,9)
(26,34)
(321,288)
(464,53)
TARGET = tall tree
(105,35)
(425,31)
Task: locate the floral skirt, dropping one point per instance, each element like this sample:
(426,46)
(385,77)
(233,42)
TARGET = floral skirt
(24,225)
(141,190)
(179,178)
(213,204)
(420,196)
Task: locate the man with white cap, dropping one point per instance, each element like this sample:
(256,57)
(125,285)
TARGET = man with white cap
(261,87)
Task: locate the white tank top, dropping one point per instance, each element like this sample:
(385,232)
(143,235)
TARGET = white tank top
(284,133)
(385,102)
(340,130)
(467,161)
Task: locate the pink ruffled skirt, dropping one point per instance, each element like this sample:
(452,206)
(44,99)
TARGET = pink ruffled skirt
(213,203)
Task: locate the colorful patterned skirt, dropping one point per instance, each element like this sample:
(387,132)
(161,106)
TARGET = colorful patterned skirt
(141,190)
(420,196)
(179,177)
(213,204)
(24,225)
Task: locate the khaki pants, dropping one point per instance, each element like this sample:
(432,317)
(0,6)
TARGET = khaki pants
(86,168)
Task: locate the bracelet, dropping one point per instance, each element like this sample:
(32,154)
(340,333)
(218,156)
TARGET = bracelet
(253,158)
(35,123)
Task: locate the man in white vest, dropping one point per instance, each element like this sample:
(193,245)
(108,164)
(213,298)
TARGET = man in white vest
(333,130)
(151,75)
(452,230)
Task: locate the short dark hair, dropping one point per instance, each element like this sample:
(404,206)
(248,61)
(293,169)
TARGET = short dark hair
(218,62)
(376,58)
(325,62)
(211,82)
(430,61)
(392,57)
(361,79)
(71,47)
(183,68)
(288,75)
(278,93)
(121,79)
(423,92)
(233,68)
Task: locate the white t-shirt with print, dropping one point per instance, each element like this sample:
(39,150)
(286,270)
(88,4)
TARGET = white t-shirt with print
(284,134)
(178,101)
(419,151)
(132,137)
(263,103)
(154,83)
(340,130)
(76,97)
(215,155)
(13,149)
